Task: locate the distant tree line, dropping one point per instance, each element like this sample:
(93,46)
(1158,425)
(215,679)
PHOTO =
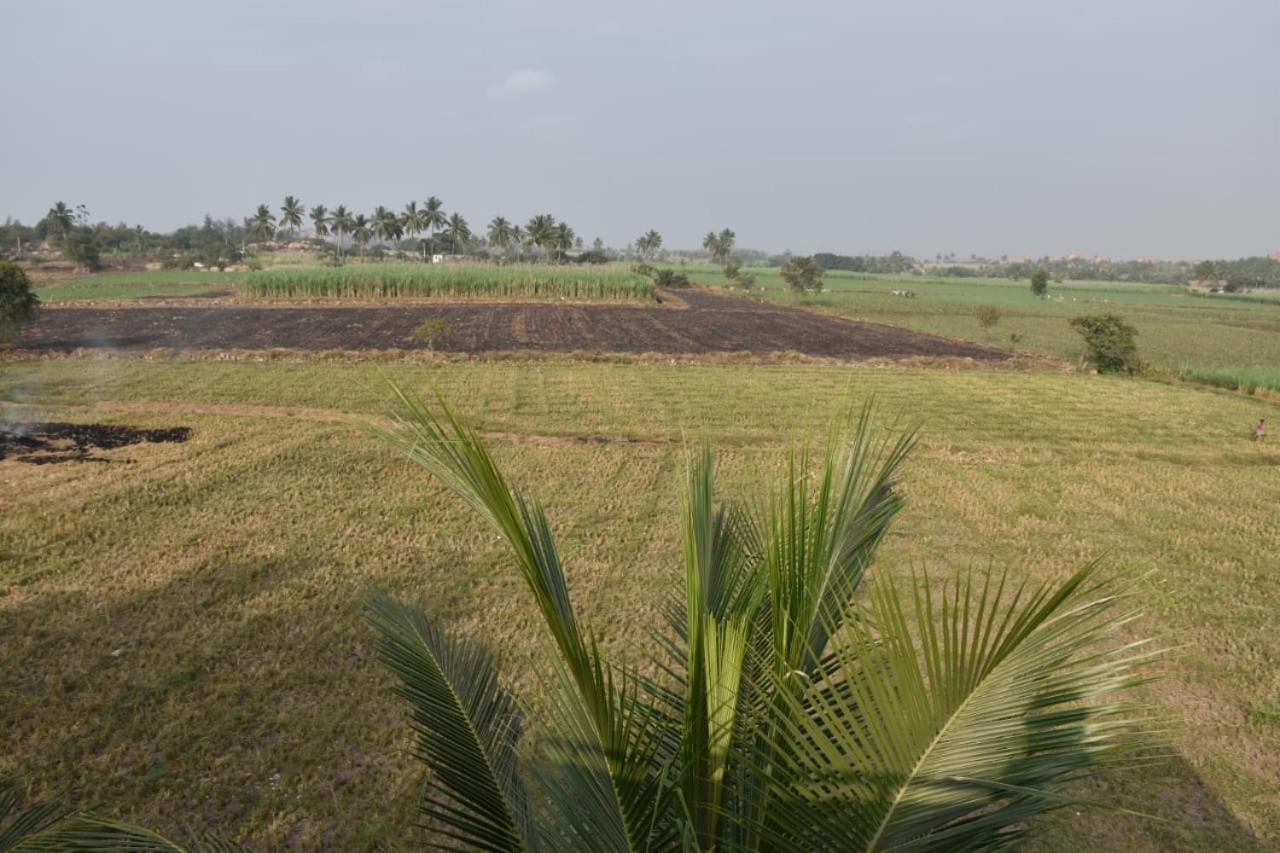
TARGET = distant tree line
(1238,274)
(894,263)
(429,229)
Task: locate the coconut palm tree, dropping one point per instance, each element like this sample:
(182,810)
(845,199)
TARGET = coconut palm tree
(361,230)
(725,240)
(540,231)
(61,218)
(291,214)
(719,245)
(500,232)
(263,223)
(459,233)
(433,218)
(649,243)
(386,225)
(517,238)
(320,220)
(411,222)
(794,708)
(341,224)
(564,239)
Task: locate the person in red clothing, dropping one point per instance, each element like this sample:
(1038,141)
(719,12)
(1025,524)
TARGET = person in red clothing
(1260,429)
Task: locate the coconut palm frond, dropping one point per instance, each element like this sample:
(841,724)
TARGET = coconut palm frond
(80,832)
(467,730)
(457,458)
(622,728)
(610,791)
(19,823)
(724,588)
(822,537)
(958,724)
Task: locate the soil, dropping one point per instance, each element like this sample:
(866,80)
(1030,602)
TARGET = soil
(46,443)
(711,323)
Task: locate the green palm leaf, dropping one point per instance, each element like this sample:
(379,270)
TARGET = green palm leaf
(822,539)
(48,827)
(85,833)
(954,727)
(468,730)
(18,824)
(622,727)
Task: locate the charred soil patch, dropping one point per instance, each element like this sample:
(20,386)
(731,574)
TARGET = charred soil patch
(49,443)
(712,323)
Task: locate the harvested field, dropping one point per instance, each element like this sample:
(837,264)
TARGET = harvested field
(711,323)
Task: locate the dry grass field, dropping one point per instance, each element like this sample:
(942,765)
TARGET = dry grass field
(180,630)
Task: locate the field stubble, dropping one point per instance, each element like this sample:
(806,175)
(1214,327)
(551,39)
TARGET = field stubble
(202,660)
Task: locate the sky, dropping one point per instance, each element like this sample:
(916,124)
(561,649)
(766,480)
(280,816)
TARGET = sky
(1127,128)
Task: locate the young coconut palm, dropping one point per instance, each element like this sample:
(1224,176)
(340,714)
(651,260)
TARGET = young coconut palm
(796,711)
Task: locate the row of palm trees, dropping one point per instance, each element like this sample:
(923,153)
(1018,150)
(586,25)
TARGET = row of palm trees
(542,232)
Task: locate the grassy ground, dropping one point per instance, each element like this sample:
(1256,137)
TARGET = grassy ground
(135,285)
(1176,330)
(181,641)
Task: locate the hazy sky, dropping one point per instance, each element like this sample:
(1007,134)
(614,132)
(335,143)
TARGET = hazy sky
(1123,128)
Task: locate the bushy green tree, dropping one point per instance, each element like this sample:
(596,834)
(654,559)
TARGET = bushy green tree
(81,247)
(1110,342)
(802,274)
(1205,271)
(1040,282)
(17,300)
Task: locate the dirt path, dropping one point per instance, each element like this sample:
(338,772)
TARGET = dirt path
(712,323)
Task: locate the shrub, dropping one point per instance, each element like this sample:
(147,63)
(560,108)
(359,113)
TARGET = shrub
(802,274)
(746,280)
(988,316)
(1110,342)
(1040,282)
(17,301)
(732,270)
(433,329)
(670,278)
(592,256)
(81,247)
